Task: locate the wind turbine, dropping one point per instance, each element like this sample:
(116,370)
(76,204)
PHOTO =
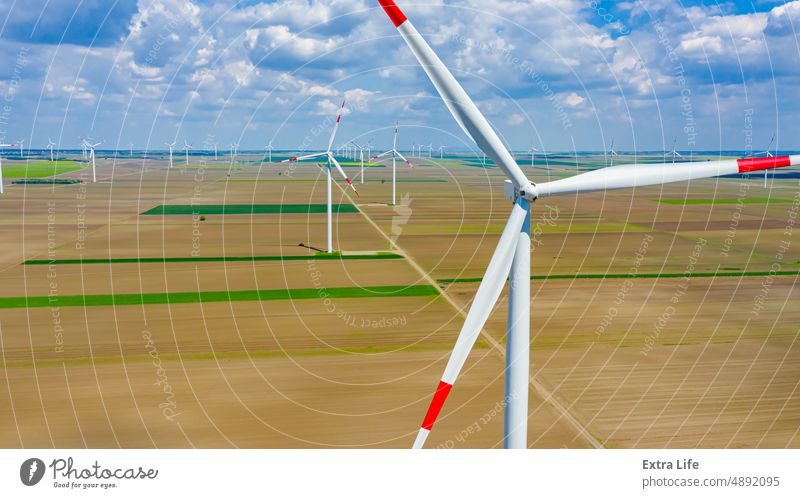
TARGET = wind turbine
(170,146)
(674,153)
(215,151)
(50,145)
(1,166)
(21,152)
(766,153)
(430,150)
(269,150)
(186,148)
(91,147)
(234,146)
(130,149)
(611,152)
(395,154)
(83,147)
(328,154)
(511,259)
(441,151)
(532,151)
(361,150)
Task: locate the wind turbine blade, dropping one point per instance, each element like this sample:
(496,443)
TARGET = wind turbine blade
(489,290)
(339,167)
(458,102)
(403,158)
(641,175)
(307,156)
(335,127)
(382,154)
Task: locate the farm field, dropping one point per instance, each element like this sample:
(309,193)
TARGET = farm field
(176,308)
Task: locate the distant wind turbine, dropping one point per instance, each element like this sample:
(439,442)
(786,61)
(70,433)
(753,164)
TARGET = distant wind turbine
(395,154)
(186,148)
(50,145)
(1,166)
(674,153)
(331,161)
(611,153)
(91,147)
(766,153)
(170,146)
(532,151)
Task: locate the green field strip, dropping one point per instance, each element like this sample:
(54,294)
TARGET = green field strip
(726,200)
(183,209)
(637,275)
(39,169)
(212,259)
(216,296)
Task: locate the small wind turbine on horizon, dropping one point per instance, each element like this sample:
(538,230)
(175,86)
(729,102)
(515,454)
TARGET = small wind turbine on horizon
(395,154)
(21,148)
(268,149)
(91,148)
(1,166)
(611,153)
(331,161)
(186,148)
(234,147)
(361,150)
(441,151)
(532,151)
(50,145)
(766,153)
(170,146)
(674,152)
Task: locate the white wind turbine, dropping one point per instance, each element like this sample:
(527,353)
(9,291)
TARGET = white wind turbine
(91,147)
(430,150)
(215,151)
(268,149)
(130,149)
(186,148)
(361,150)
(1,166)
(674,152)
(395,154)
(610,153)
(532,151)
(766,153)
(171,146)
(233,148)
(50,145)
(83,147)
(441,151)
(328,154)
(21,148)
(511,259)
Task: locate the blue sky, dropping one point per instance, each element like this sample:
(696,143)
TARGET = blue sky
(555,74)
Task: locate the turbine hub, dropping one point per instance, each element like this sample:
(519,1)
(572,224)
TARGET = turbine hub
(529,192)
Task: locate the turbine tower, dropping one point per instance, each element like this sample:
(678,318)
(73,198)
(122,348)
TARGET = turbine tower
(170,146)
(91,148)
(511,259)
(395,154)
(328,154)
(186,148)
(50,145)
